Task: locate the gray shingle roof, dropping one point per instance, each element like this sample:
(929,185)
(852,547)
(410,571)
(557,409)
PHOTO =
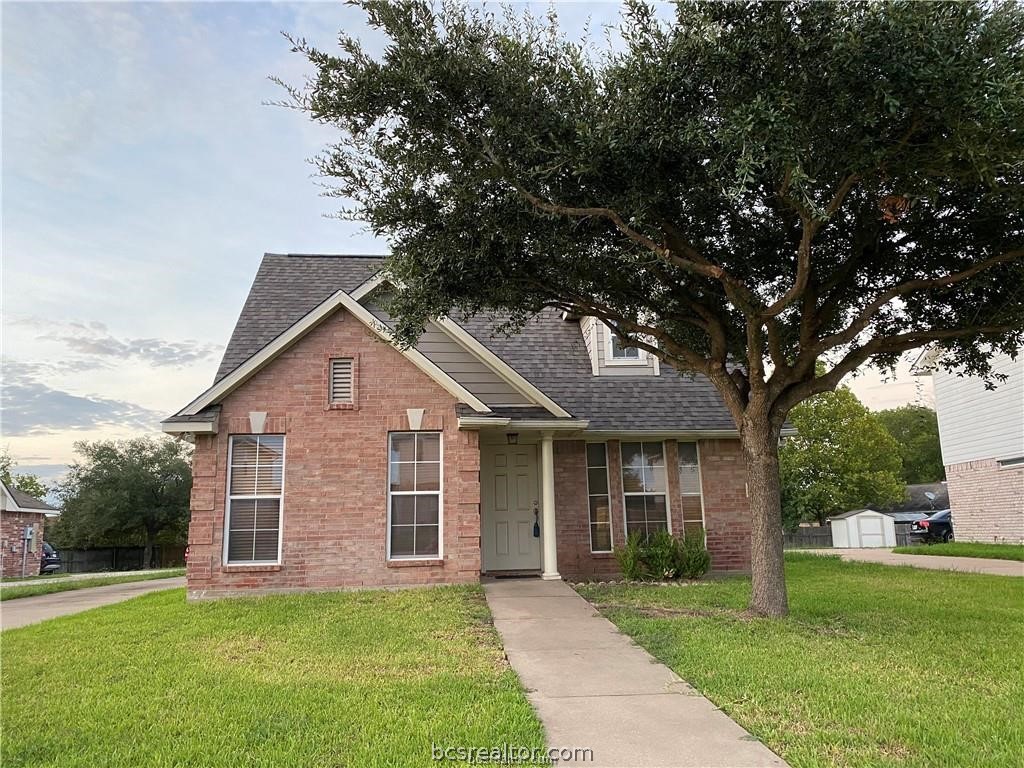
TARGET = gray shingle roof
(206,416)
(25,501)
(549,351)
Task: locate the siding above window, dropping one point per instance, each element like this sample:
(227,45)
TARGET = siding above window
(342,384)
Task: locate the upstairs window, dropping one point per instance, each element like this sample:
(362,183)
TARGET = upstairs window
(618,354)
(255,489)
(645,488)
(341,387)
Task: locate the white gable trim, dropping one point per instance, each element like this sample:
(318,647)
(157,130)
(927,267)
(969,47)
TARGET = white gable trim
(339,299)
(505,371)
(368,286)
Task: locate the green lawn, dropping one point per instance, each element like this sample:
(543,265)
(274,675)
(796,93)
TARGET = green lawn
(876,666)
(343,679)
(967,549)
(49,586)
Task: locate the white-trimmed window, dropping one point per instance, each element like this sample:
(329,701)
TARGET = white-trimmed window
(1014,463)
(691,489)
(414,495)
(645,488)
(617,354)
(255,499)
(342,381)
(599,498)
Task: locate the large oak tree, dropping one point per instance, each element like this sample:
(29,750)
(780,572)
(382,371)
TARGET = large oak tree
(743,189)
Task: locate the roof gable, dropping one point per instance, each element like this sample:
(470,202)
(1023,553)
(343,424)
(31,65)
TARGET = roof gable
(19,501)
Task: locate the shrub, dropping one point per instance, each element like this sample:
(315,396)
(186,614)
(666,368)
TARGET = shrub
(661,556)
(694,560)
(628,558)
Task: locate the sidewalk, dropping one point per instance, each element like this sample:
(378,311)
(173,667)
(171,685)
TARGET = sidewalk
(593,688)
(932,562)
(63,577)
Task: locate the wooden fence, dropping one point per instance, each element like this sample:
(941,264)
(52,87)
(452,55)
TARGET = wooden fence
(118,559)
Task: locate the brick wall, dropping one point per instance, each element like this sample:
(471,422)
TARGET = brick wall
(335,502)
(12,530)
(987,502)
(726,511)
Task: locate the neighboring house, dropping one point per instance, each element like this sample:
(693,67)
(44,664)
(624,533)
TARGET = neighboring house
(923,497)
(326,457)
(982,436)
(22,524)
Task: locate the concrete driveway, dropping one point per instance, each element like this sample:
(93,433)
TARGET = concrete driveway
(932,562)
(30,610)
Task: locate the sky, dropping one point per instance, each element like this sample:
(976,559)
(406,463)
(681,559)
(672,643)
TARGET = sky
(143,177)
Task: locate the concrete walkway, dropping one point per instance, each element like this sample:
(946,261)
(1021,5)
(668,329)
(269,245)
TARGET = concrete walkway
(594,688)
(64,577)
(932,562)
(29,610)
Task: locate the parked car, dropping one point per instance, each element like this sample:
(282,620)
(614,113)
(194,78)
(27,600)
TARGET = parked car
(50,562)
(936,527)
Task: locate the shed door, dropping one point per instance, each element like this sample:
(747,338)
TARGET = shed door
(871,532)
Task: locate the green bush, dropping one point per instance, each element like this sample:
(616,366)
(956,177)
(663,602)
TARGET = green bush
(661,555)
(628,558)
(694,559)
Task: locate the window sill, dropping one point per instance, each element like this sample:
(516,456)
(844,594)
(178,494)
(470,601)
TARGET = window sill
(341,407)
(602,555)
(242,568)
(414,563)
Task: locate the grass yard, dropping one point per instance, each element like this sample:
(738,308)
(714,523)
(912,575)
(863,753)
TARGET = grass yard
(967,549)
(48,586)
(876,665)
(342,679)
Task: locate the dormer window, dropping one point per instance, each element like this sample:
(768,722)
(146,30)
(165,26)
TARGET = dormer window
(622,355)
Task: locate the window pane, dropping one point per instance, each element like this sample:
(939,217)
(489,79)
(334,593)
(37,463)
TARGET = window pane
(403,447)
(428,477)
(240,546)
(692,529)
(599,509)
(597,480)
(426,541)
(689,479)
(270,449)
(600,538)
(688,453)
(632,479)
(403,510)
(654,480)
(596,455)
(635,510)
(402,477)
(402,537)
(269,479)
(243,480)
(636,527)
(691,508)
(657,511)
(243,514)
(632,455)
(243,449)
(623,353)
(428,447)
(265,547)
(654,454)
(426,509)
(267,513)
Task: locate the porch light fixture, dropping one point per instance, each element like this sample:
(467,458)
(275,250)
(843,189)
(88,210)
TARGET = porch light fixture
(513,438)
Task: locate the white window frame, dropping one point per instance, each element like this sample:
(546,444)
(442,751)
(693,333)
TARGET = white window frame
(1016,462)
(279,496)
(608,494)
(609,347)
(666,494)
(700,486)
(439,492)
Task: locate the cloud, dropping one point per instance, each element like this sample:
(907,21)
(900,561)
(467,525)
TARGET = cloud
(94,340)
(32,407)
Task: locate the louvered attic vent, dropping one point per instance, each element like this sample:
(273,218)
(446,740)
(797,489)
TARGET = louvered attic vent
(341,380)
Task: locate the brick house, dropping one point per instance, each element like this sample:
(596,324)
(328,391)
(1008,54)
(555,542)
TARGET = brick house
(327,457)
(981,432)
(19,514)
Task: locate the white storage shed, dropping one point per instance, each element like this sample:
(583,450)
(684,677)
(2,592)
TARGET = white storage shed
(863,528)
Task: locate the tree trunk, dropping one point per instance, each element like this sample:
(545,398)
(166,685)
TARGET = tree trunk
(760,440)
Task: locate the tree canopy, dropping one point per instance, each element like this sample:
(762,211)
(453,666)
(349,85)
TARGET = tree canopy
(841,458)
(742,189)
(916,430)
(26,482)
(126,492)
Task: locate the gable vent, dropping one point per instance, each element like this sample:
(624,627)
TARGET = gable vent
(341,380)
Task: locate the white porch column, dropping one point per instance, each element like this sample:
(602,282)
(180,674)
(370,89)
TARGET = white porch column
(547,482)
